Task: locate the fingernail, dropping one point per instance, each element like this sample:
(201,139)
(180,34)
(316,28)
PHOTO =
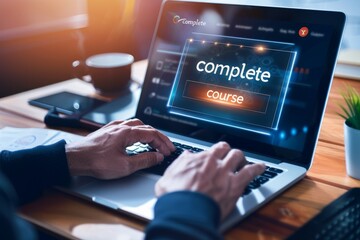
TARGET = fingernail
(263,167)
(159,157)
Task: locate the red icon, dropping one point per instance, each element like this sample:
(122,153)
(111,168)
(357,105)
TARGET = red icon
(303,32)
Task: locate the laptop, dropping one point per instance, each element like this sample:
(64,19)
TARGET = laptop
(255,77)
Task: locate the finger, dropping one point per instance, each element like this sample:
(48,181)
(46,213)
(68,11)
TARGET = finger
(112,123)
(133,122)
(146,135)
(159,190)
(234,160)
(219,150)
(243,177)
(165,139)
(181,160)
(145,160)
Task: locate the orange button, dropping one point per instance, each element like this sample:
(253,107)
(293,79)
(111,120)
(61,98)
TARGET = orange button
(230,97)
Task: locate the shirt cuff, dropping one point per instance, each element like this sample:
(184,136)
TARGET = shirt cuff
(185,214)
(31,170)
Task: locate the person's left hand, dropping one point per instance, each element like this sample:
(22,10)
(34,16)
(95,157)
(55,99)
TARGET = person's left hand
(102,154)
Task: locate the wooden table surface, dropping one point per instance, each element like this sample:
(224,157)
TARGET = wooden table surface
(326,180)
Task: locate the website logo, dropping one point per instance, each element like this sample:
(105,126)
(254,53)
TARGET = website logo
(303,32)
(178,20)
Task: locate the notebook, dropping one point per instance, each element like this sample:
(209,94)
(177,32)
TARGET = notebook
(255,77)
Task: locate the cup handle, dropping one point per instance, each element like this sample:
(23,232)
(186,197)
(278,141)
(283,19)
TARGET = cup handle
(80,71)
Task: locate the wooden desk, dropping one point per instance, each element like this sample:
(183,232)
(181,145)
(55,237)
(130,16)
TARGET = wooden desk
(326,180)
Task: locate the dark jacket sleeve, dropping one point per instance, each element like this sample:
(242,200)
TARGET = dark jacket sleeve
(32,170)
(185,215)
(11,226)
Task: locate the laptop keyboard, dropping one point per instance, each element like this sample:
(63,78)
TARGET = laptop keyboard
(340,219)
(137,148)
(159,169)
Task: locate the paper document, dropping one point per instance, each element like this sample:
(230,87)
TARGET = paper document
(348,64)
(13,139)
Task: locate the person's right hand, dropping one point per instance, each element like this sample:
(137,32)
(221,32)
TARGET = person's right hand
(220,172)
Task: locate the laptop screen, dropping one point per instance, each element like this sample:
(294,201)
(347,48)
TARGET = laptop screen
(256,77)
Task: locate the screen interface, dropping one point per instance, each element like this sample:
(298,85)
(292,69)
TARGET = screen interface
(254,77)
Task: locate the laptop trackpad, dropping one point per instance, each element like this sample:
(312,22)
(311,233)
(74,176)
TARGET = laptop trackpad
(130,192)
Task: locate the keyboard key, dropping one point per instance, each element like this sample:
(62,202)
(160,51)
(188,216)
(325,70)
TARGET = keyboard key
(179,151)
(246,191)
(275,170)
(194,149)
(132,148)
(143,150)
(254,185)
(269,174)
(261,179)
(185,146)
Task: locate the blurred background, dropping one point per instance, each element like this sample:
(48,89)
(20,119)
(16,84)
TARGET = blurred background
(39,39)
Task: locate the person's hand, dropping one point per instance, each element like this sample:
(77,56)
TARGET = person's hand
(220,172)
(102,154)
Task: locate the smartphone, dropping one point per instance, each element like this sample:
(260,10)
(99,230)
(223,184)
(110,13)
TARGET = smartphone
(67,103)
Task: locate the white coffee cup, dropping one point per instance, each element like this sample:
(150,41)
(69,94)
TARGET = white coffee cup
(108,72)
